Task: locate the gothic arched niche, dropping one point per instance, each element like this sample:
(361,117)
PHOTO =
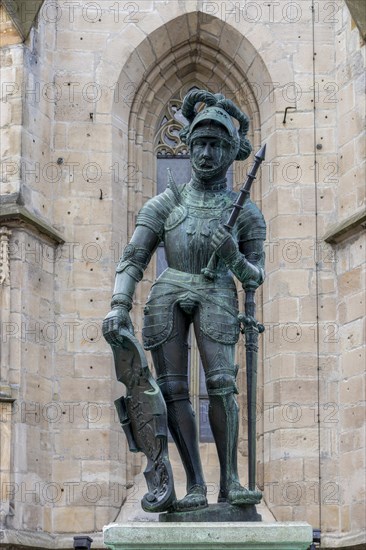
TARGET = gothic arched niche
(151,77)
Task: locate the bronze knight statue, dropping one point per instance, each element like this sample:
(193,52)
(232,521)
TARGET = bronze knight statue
(191,221)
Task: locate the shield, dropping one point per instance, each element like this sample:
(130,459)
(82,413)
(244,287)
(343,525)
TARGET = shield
(143,416)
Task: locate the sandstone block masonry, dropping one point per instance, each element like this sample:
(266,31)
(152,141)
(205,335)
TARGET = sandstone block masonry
(82,100)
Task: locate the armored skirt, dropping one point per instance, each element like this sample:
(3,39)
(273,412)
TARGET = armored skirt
(216,301)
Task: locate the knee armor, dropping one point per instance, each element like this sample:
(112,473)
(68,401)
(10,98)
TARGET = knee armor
(173,387)
(222,381)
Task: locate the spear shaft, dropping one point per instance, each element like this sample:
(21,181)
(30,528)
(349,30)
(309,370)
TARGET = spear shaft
(251,330)
(245,190)
(243,195)
(251,327)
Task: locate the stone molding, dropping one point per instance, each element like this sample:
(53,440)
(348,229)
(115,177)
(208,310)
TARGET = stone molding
(29,540)
(5,234)
(346,228)
(22,216)
(236,536)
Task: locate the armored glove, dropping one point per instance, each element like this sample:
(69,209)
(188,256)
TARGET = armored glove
(116,320)
(227,249)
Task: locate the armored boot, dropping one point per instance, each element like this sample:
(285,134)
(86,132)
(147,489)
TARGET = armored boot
(182,426)
(224,421)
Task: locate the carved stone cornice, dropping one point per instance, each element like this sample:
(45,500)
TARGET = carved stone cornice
(22,216)
(347,228)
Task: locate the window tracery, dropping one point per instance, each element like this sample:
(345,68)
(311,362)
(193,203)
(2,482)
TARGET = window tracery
(168,141)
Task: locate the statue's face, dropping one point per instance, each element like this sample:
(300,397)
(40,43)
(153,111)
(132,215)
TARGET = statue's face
(209,156)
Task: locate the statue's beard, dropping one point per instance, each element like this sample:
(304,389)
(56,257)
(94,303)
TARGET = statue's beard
(205,169)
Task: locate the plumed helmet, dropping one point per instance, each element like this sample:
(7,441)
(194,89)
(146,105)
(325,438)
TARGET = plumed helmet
(216,119)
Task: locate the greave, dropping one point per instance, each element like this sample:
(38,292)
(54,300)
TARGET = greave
(182,426)
(224,421)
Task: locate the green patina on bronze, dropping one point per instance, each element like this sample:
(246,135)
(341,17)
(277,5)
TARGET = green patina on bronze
(211,235)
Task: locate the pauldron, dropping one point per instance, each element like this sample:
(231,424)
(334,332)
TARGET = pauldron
(155,212)
(250,224)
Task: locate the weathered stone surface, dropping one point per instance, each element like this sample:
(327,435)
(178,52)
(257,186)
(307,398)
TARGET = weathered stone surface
(33,137)
(251,536)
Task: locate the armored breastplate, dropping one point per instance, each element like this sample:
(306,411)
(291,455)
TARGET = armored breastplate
(189,228)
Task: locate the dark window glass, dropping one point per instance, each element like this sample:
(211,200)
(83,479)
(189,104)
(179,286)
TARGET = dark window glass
(205,428)
(180,167)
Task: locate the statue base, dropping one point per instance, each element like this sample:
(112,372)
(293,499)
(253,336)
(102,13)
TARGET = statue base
(214,512)
(215,536)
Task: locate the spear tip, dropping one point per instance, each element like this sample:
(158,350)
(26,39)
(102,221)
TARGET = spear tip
(261,155)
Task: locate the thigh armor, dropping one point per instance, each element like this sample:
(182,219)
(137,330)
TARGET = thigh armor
(217,302)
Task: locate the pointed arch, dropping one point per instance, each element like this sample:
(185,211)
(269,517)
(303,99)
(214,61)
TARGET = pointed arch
(151,77)
(207,51)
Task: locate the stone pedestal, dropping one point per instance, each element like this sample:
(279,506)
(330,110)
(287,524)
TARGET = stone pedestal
(209,536)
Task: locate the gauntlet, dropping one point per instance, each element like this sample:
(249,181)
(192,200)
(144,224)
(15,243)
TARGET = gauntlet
(228,250)
(116,320)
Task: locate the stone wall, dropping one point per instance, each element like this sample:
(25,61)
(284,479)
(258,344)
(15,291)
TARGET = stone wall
(11,72)
(347,390)
(93,83)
